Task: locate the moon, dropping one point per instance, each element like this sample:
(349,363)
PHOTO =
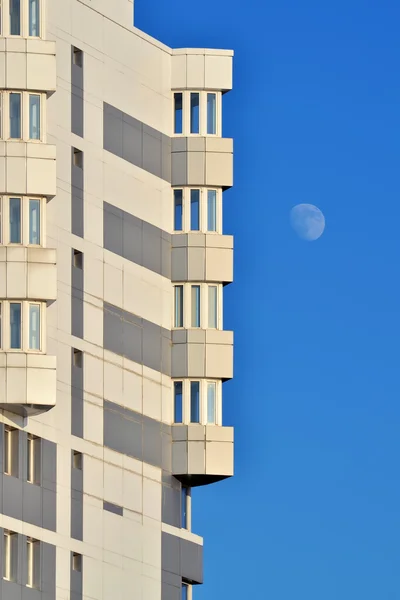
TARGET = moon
(308,221)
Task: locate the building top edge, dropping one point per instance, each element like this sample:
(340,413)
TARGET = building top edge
(205,51)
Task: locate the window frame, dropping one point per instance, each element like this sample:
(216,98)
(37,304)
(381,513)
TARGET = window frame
(24,20)
(203,209)
(203,114)
(204,305)
(25,116)
(5,333)
(32,555)
(203,401)
(25,220)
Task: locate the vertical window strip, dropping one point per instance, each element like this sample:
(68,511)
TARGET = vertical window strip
(34,117)
(212,307)
(195,401)
(34,222)
(195,322)
(15,220)
(15,325)
(178,402)
(15,17)
(34,327)
(211,402)
(178,210)
(195,210)
(211,114)
(34,18)
(194,112)
(211,210)
(15,116)
(178,112)
(178,306)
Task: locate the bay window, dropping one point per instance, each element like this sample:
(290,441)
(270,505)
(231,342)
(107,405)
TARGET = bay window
(22,326)
(21,220)
(197,209)
(197,113)
(197,402)
(23,18)
(22,115)
(197,305)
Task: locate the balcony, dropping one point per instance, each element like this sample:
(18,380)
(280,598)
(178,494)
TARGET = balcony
(27,383)
(202,454)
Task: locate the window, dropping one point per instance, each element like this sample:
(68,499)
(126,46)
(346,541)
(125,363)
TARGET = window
(15,325)
(78,158)
(211,210)
(198,209)
(34,327)
(194,112)
(33,460)
(77,358)
(77,259)
(178,113)
(34,117)
(178,210)
(77,57)
(15,116)
(195,306)
(33,563)
(212,306)
(10,555)
(211,114)
(185,507)
(15,220)
(195,210)
(15,17)
(195,401)
(76,562)
(178,321)
(77,460)
(198,401)
(197,113)
(34,222)
(178,404)
(34,21)
(10,451)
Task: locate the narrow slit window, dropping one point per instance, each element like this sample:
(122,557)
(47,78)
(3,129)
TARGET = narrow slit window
(185,591)
(34,327)
(78,358)
(15,325)
(194,112)
(211,114)
(15,220)
(195,401)
(15,116)
(10,451)
(212,307)
(1,325)
(34,222)
(195,306)
(77,460)
(211,210)
(178,402)
(77,57)
(178,112)
(78,158)
(195,210)
(33,459)
(178,321)
(184,507)
(34,18)
(15,17)
(76,562)
(211,395)
(178,210)
(34,117)
(78,259)
(10,555)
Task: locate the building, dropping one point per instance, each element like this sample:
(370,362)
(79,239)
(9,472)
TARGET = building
(112,268)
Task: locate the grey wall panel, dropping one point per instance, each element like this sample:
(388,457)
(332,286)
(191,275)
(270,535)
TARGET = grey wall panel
(181,557)
(76,300)
(76,502)
(48,575)
(139,340)
(122,435)
(49,465)
(171,506)
(12,497)
(49,509)
(77,105)
(112,130)
(77,194)
(76,582)
(136,240)
(77,397)
(113,508)
(32,502)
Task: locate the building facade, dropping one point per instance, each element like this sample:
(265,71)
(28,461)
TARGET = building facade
(113,264)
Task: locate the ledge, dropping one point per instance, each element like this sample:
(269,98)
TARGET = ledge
(202,454)
(28,168)
(202,353)
(28,273)
(201,68)
(202,257)
(28,64)
(27,383)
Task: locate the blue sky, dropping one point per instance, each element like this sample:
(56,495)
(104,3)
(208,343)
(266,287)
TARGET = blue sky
(313,511)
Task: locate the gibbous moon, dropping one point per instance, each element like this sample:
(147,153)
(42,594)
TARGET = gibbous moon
(307,221)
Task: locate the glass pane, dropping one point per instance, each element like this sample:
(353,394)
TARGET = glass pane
(34,221)
(178,306)
(178,404)
(195,401)
(211,210)
(15,325)
(34,117)
(195,306)
(184,591)
(15,17)
(211,394)
(212,306)
(34,29)
(184,508)
(211,114)
(194,112)
(178,100)
(15,220)
(15,116)
(34,327)
(195,210)
(178,210)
